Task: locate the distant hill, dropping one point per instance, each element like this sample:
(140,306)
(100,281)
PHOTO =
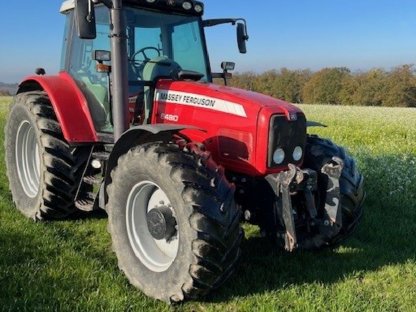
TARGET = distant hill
(11,88)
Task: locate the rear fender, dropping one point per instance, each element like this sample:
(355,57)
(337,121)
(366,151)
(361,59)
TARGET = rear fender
(69,104)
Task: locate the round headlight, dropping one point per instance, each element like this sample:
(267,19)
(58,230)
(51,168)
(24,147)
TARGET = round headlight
(187,5)
(297,153)
(198,8)
(279,156)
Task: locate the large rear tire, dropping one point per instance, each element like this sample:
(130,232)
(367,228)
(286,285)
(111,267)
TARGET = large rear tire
(318,153)
(196,246)
(43,170)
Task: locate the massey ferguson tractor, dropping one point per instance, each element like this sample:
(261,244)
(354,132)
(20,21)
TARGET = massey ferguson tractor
(133,124)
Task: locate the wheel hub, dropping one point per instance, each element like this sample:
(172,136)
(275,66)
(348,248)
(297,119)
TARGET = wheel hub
(161,223)
(28,158)
(151,226)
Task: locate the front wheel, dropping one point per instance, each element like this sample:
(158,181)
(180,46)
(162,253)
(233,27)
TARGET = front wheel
(318,153)
(174,225)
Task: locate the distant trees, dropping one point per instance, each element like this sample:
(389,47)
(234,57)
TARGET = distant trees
(4,93)
(325,86)
(284,84)
(290,84)
(338,86)
(401,87)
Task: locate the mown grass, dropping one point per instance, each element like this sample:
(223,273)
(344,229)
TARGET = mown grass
(69,265)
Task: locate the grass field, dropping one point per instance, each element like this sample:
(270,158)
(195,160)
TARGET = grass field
(69,265)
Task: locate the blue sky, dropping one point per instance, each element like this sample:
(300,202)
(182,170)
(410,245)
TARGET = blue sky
(359,34)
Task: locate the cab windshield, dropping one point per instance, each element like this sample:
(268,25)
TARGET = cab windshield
(153,34)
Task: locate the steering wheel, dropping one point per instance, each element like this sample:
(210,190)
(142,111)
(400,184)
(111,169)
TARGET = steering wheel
(144,58)
(139,63)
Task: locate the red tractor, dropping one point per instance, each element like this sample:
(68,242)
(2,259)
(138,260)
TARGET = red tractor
(134,125)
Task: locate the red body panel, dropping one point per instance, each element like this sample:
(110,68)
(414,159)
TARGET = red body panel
(70,106)
(235,122)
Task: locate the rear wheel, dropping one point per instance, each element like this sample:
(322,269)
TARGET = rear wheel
(173,222)
(43,170)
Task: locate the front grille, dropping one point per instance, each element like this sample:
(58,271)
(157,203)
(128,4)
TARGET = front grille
(287,135)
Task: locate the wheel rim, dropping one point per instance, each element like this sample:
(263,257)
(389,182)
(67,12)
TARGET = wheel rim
(156,255)
(28,159)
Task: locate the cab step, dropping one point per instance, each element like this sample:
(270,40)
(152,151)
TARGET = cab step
(101,155)
(92,180)
(86,203)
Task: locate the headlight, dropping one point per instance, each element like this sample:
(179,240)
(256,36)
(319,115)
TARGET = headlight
(151,1)
(187,5)
(278,156)
(297,153)
(198,8)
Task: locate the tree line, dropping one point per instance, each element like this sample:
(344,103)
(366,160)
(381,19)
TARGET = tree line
(338,85)
(4,92)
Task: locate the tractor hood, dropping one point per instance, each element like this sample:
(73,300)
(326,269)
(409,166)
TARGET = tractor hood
(225,99)
(238,127)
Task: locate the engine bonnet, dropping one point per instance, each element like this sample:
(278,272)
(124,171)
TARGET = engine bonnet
(211,96)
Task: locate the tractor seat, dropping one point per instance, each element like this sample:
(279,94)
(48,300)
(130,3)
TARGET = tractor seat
(160,67)
(157,68)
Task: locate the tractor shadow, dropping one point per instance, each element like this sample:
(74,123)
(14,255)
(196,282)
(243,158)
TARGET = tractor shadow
(386,236)
(90,215)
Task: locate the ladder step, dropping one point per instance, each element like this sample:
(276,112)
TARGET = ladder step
(86,203)
(101,155)
(91,180)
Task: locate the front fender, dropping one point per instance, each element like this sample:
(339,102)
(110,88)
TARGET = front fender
(69,104)
(140,135)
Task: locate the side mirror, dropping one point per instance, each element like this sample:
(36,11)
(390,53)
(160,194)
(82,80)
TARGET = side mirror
(242,37)
(85,19)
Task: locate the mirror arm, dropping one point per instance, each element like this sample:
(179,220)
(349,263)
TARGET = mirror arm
(219,21)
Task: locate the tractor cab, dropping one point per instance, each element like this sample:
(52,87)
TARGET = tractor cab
(165,39)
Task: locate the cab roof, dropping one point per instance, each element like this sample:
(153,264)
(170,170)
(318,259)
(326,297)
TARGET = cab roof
(67,5)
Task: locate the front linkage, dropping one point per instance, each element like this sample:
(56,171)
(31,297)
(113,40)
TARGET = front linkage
(295,181)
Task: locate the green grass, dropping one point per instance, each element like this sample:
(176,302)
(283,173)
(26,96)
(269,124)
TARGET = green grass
(69,265)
